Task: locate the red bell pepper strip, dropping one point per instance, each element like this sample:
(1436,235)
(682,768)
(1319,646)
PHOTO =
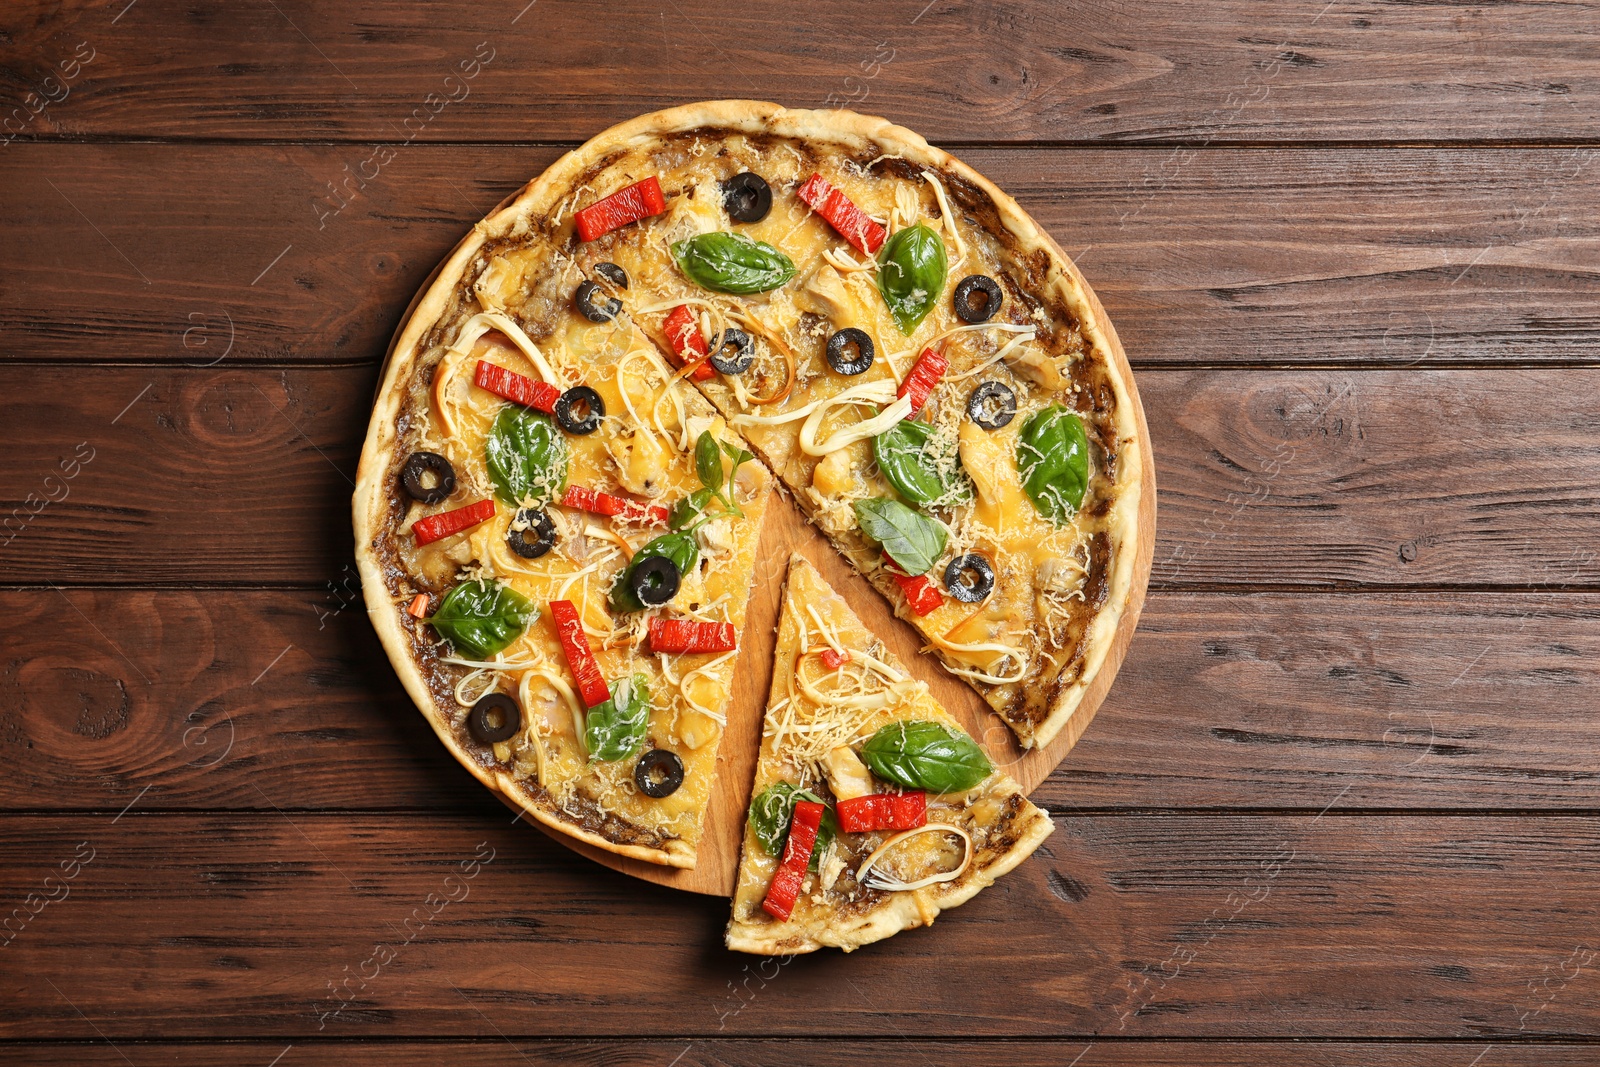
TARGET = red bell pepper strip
(687,344)
(925,374)
(637,201)
(883,811)
(430,528)
(785,887)
(419,606)
(580,658)
(597,503)
(909,811)
(853,224)
(834,660)
(923,596)
(692,635)
(541,396)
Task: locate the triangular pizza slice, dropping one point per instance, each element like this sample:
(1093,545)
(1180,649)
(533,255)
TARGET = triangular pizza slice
(872,809)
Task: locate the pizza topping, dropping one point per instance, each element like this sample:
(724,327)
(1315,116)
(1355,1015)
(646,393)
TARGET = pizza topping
(630,204)
(674,636)
(925,374)
(541,396)
(732,263)
(526,456)
(970,578)
(418,608)
(747,197)
(531,533)
(883,811)
(483,322)
(653,581)
(920,754)
(480,618)
(593,303)
(613,274)
(851,222)
(851,351)
(922,469)
(1053,462)
(428,477)
(992,405)
(798,849)
(579,410)
(848,777)
(833,659)
(911,275)
(658,773)
(431,528)
(920,593)
(866,393)
(597,503)
(948,216)
(772,814)
(615,728)
(683,333)
(494,718)
(977,298)
(868,874)
(912,541)
(733,351)
(580,657)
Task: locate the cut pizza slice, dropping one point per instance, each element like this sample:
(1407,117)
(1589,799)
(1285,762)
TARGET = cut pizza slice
(872,810)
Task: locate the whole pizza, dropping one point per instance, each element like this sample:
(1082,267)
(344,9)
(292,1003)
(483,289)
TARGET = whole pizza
(587,412)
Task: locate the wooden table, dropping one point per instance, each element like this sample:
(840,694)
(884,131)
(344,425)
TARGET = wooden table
(1340,807)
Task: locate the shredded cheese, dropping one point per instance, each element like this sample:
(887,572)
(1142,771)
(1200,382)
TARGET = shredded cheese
(878,392)
(949,219)
(888,882)
(883,420)
(485,321)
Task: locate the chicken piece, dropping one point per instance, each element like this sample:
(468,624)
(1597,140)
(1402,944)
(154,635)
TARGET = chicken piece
(835,476)
(640,463)
(1036,366)
(848,777)
(985,462)
(824,294)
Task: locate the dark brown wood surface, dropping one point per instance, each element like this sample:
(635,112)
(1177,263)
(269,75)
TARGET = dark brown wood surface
(1341,805)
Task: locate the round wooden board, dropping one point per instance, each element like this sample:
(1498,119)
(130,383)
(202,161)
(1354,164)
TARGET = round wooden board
(784,531)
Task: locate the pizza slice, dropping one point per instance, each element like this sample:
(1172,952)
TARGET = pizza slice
(872,810)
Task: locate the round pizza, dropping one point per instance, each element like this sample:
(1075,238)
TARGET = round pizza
(585,415)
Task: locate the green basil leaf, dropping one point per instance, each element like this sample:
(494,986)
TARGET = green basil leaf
(527,457)
(918,754)
(480,618)
(773,810)
(680,547)
(1053,461)
(616,729)
(708,461)
(919,471)
(738,455)
(911,275)
(685,510)
(732,263)
(915,542)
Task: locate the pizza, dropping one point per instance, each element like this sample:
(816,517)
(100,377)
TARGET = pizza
(872,810)
(587,409)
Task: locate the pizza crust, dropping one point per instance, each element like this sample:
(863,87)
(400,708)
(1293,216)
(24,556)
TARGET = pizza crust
(543,195)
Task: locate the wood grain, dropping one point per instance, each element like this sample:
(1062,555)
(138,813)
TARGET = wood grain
(1308,478)
(1142,926)
(1007,71)
(1099,1051)
(1403,258)
(1261,700)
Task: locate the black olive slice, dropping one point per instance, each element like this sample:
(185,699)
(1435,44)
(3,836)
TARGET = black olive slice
(413,476)
(747,197)
(658,773)
(594,305)
(536,536)
(978,297)
(969,578)
(733,351)
(653,581)
(494,718)
(613,274)
(579,410)
(992,405)
(847,341)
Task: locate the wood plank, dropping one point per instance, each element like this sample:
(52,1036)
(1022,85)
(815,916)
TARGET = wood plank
(814,1052)
(1160,926)
(1255,701)
(1396,257)
(1008,70)
(1325,478)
